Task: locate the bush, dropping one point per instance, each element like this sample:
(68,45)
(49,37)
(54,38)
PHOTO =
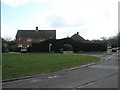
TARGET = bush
(80,46)
(4,49)
(76,45)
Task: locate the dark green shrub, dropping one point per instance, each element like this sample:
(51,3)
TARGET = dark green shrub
(59,43)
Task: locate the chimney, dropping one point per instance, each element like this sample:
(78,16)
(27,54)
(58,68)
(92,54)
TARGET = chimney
(36,28)
(77,33)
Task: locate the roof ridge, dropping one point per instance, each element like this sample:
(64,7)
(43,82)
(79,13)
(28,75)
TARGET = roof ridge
(35,30)
(36,33)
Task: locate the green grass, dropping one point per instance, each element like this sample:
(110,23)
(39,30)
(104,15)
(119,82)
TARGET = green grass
(19,65)
(0,73)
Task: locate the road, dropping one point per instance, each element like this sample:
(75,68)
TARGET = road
(101,75)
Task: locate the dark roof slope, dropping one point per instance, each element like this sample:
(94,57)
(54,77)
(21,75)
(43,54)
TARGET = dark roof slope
(77,37)
(3,41)
(45,34)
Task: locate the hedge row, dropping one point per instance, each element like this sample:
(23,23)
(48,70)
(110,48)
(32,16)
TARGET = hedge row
(90,47)
(59,44)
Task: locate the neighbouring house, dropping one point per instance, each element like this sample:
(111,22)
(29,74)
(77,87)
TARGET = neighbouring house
(77,37)
(24,38)
(12,46)
(4,45)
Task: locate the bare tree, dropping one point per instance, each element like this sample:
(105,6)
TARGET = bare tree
(7,38)
(118,39)
(115,40)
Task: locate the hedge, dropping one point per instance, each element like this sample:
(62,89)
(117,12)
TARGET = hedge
(77,46)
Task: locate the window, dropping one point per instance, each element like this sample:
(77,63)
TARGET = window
(29,39)
(5,44)
(50,37)
(20,45)
(41,40)
(28,45)
(19,39)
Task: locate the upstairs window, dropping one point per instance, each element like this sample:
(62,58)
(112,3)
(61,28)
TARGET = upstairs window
(20,45)
(19,39)
(41,40)
(29,39)
(50,37)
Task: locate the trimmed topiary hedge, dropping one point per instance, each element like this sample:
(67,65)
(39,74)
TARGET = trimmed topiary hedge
(59,43)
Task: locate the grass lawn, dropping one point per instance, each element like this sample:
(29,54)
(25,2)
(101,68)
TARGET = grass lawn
(0,73)
(25,64)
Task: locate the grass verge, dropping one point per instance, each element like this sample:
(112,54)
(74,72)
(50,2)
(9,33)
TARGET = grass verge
(27,64)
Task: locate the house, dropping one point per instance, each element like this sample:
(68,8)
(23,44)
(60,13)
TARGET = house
(77,37)
(4,45)
(24,38)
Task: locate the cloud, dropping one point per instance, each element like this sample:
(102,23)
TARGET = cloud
(91,18)
(56,21)
(61,21)
(4,30)
(15,3)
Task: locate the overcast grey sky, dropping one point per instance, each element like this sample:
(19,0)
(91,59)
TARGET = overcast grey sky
(93,19)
